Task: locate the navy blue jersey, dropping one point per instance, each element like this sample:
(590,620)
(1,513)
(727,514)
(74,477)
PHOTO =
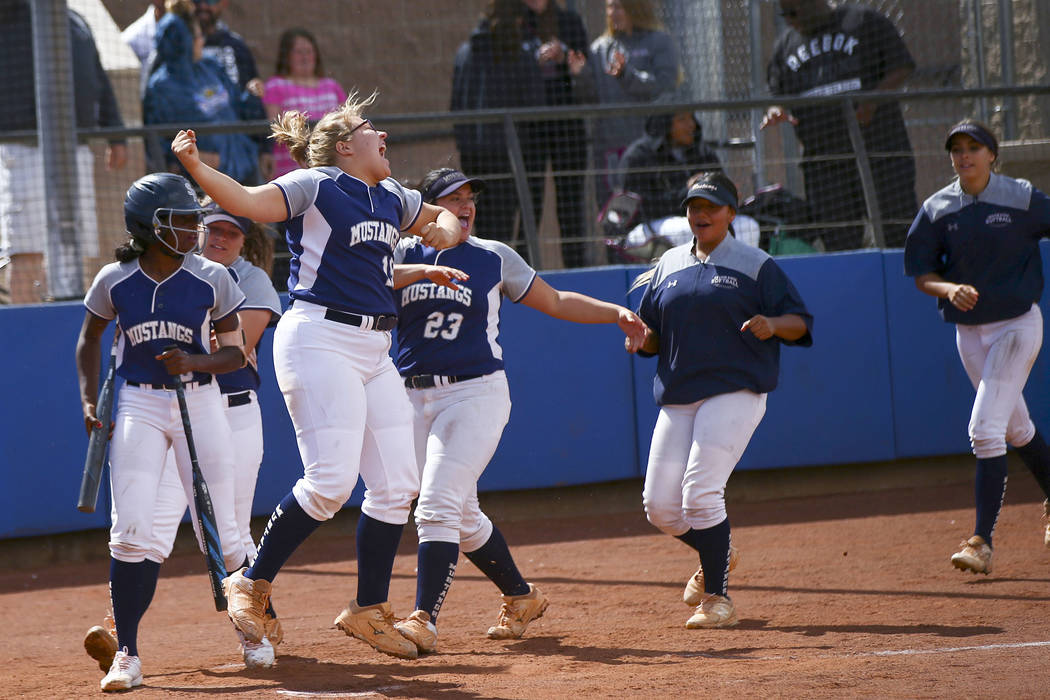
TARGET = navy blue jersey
(341,234)
(153,315)
(990,241)
(448,332)
(697,309)
(259,294)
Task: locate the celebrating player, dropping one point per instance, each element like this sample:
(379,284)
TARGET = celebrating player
(975,246)
(162,295)
(247,252)
(347,403)
(451,360)
(718,310)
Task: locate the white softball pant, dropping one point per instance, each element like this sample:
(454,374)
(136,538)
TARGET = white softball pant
(695,448)
(458,428)
(998,358)
(246,427)
(148,423)
(350,412)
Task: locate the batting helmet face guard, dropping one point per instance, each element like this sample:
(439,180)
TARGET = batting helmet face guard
(160,204)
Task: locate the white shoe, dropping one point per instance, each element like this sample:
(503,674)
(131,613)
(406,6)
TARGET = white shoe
(124,674)
(256,654)
(1046,523)
(713,611)
(975,556)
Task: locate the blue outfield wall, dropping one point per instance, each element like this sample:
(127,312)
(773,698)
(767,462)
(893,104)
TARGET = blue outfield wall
(882,381)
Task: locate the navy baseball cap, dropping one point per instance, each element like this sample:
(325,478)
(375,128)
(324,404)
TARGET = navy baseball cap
(217,214)
(448,182)
(975,131)
(712,192)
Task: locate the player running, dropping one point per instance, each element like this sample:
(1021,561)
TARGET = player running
(347,403)
(160,294)
(452,363)
(718,311)
(975,246)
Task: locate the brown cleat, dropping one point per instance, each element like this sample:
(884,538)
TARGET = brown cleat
(374,625)
(713,611)
(517,612)
(247,601)
(101,646)
(975,556)
(418,629)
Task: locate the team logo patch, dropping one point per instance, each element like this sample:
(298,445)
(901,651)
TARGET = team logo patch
(672,283)
(725,281)
(999,219)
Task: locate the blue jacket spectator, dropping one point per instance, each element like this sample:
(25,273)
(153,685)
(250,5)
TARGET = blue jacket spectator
(186,89)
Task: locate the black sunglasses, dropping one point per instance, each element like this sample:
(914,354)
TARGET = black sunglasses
(366,121)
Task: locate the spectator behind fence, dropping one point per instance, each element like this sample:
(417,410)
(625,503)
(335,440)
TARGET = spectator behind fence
(231,52)
(299,85)
(551,32)
(829,51)
(657,165)
(186,88)
(633,61)
(23,213)
(494,70)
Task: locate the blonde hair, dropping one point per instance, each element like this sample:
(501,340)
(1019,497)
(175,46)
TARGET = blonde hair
(184,10)
(315,147)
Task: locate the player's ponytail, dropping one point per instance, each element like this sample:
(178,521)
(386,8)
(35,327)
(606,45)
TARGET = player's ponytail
(292,130)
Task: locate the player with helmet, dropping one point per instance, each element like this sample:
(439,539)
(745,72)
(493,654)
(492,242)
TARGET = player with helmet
(346,400)
(974,245)
(160,294)
(718,311)
(246,250)
(450,357)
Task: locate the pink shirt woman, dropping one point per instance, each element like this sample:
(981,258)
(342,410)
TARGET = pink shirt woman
(299,86)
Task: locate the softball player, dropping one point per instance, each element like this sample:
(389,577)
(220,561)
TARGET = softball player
(160,295)
(718,310)
(975,246)
(452,363)
(348,405)
(228,237)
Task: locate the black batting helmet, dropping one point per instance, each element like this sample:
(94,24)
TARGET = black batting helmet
(152,199)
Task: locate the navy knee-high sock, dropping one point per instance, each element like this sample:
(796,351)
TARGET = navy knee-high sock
(131,588)
(713,546)
(1036,456)
(436,564)
(288,528)
(494,560)
(989,488)
(376,548)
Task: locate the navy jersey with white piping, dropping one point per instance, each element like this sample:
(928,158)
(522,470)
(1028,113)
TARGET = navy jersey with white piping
(697,309)
(341,234)
(448,332)
(990,241)
(153,315)
(259,295)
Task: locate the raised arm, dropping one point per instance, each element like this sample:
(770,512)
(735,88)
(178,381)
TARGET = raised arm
(264,203)
(580,308)
(437,226)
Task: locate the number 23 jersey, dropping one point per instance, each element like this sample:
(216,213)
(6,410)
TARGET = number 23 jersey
(454,332)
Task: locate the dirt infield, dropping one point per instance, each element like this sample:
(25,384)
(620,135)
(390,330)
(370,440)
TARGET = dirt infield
(839,596)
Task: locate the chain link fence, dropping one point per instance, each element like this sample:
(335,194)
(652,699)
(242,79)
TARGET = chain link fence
(599,153)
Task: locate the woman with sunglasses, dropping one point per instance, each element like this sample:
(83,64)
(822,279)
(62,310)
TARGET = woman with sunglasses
(161,295)
(344,214)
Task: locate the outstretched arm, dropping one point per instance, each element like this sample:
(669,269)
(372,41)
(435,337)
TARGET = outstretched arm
(580,308)
(264,203)
(405,275)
